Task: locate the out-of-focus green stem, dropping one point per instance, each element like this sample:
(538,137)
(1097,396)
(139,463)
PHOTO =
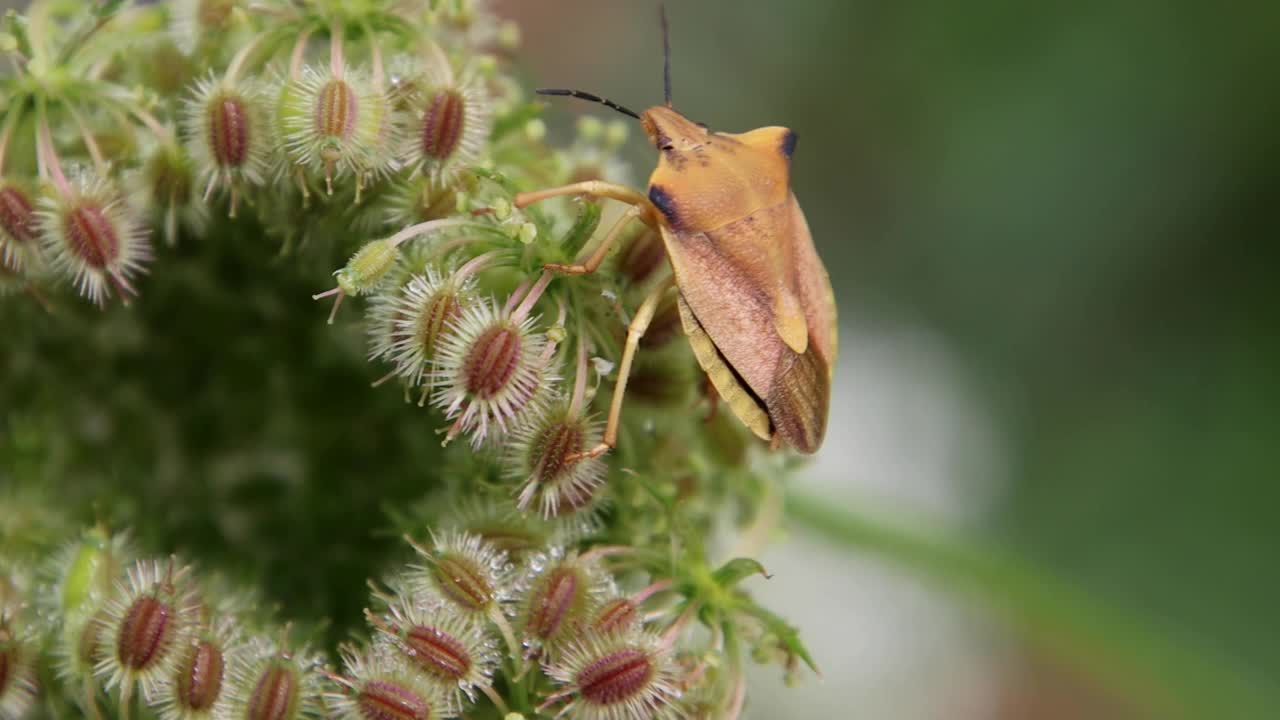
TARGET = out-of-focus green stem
(1163,676)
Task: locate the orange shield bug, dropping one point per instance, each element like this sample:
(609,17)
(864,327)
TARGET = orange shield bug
(754,297)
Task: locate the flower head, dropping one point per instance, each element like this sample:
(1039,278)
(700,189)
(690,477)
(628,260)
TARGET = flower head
(93,237)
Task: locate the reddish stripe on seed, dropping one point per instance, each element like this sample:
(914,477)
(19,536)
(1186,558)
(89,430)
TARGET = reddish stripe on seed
(229,131)
(616,676)
(442,124)
(143,632)
(90,235)
(492,361)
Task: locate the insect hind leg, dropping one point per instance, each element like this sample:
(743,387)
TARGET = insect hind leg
(635,330)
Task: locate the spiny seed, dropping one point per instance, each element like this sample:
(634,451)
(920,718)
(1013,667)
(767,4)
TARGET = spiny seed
(229,131)
(555,444)
(616,616)
(90,235)
(275,696)
(442,124)
(440,311)
(336,109)
(551,606)
(642,256)
(145,630)
(492,361)
(200,676)
(16,215)
(438,653)
(382,700)
(616,676)
(462,582)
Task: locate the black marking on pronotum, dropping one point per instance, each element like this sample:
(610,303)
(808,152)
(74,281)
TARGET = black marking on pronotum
(789,143)
(662,200)
(590,98)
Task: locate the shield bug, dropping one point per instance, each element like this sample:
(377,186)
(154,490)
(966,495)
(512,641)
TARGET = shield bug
(754,297)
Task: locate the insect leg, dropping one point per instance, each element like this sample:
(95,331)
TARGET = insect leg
(635,331)
(595,188)
(602,250)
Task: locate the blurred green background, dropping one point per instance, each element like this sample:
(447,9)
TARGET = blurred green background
(1061,218)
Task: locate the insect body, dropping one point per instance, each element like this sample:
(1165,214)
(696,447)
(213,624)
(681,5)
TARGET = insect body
(754,297)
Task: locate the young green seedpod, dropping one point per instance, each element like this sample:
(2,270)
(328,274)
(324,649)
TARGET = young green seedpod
(363,273)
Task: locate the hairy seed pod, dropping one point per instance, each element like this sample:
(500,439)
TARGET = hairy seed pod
(275,694)
(148,623)
(463,582)
(198,680)
(472,576)
(146,629)
(17,227)
(619,615)
(384,700)
(442,124)
(380,685)
(229,127)
(489,371)
(538,459)
(615,677)
(265,682)
(438,642)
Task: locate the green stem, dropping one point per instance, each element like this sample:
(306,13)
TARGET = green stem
(1163,675)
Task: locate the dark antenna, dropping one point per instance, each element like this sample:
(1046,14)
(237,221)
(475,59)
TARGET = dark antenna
(588,96)
(666,55)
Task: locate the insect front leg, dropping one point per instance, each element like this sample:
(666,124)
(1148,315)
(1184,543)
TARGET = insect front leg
(640,208)
(598,255)
(635,331)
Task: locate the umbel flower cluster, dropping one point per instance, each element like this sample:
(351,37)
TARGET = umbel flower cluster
(209,162)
